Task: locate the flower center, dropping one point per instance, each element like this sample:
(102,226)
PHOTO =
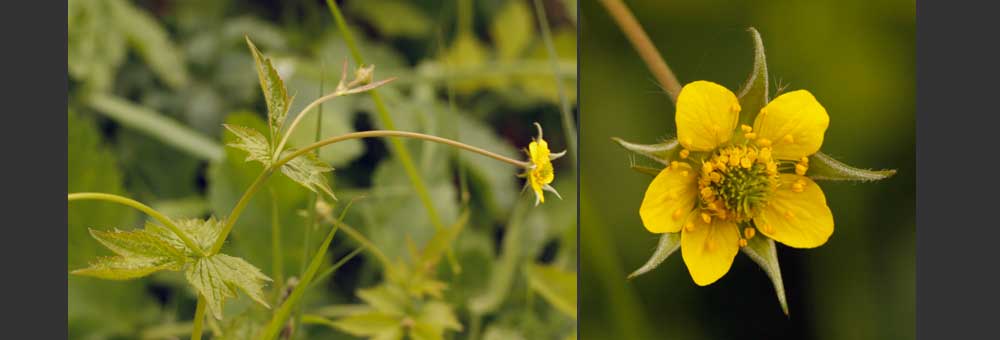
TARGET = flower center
(736,180)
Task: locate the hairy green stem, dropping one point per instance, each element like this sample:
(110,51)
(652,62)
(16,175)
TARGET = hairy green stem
(404,134)
(288,132)
(238,209)
(567,116)
(97,196)
(647,51)
(199,318)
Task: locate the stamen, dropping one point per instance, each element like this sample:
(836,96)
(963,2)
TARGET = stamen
(764,142)
(743,243)
(749,232)
(800,169)
(746,128)
(684,153)
(706,217)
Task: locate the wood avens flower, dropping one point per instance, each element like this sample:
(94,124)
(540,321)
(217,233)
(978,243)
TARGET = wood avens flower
(540,172)
(733,182)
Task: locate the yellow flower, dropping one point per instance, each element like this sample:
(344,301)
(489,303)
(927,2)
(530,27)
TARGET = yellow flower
(737,182)
(540,173)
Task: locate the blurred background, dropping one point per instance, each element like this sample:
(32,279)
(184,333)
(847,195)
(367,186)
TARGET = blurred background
(151,82)
(857,57)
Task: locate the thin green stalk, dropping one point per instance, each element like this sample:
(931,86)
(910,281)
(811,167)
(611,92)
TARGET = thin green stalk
(80,196)
(199,318)
(277,260)
(647,51)
(567,116)
(281,315)
(404,134)
(367,244)
(340,263)
(398,148)
(238,209)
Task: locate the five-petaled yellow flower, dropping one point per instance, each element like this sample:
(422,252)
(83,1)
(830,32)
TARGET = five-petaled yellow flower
(540,173)
(734,182)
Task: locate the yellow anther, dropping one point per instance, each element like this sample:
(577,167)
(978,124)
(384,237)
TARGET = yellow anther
(798,187)
(767,229)
(746,128)
(685,153)
(715,177)
(706,168)
(678,213)
(734,160)
(764,155)
(750,135)
(788,139)
(675,164)
(712,206)
(764,142)
(804,160)
(707,192)
(706,217)
(749,233)
(800,169)
(746,162)
(743,243)
(772,168)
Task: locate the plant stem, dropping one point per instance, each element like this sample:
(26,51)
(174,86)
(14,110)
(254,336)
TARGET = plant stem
(238,209)
(640,41)
(277,260)
(404,134)
(318,102)
(199,318)
(567,117)
(80,196)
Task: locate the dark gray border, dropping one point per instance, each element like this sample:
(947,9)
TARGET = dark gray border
(33,245)
(958,235)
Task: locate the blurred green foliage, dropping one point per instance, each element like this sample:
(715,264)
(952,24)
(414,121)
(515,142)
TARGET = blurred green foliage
(857,58)
(475,71)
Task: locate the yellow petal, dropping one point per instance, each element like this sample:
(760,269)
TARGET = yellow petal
(709,249)
(794,123)
(669,199)
(706,115)
(796,214)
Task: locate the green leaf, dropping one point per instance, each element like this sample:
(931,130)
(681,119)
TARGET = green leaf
(308,171)
(368,324)
(824,167)
(669,243)
(394,18)
(137,243)
(762,250)
(662,152)
(218,277)
(95,48)
(127,268)
(274,90)
(385,299)
(146,36)
(203,232)
(512,30)
(251,141)
(439,315)
(754,94)
(557,286)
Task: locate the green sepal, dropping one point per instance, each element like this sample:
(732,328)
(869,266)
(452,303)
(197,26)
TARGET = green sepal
(763,251)
(754,95)
(663,152)
(822,167)
(669,243)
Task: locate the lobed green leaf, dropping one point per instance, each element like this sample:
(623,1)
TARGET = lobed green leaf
(308,171)
(251,141)
(824,167)
(762,250)
(138,243)
(386,299)
(203,232)
(669,243)
(439,315)
(275,93)
(374,324)
(127,268)
(218,277)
